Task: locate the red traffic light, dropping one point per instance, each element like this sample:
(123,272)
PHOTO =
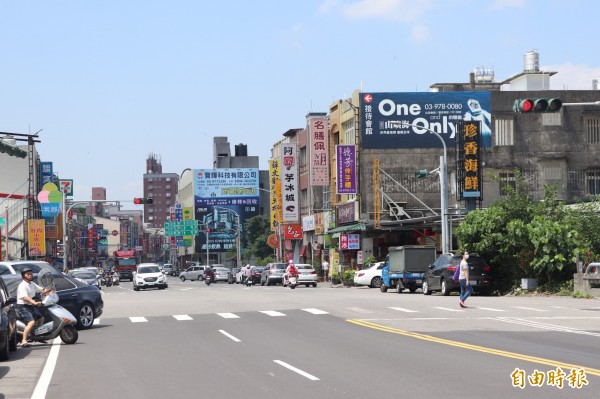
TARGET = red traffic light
(208,230)
(138,201)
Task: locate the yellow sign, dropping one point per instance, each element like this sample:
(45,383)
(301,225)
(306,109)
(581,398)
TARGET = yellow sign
(275,188)
(37,237)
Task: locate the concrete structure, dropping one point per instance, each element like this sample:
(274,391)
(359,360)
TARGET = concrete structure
(162,188)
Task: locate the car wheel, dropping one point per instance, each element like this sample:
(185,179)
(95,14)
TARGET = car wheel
(425,288)
(382,287)
(4,351)
(200,278)
(182,278)
(399,288)
(412,289)
(444,288)
(376,282)
(314,285)
(12,346)
(136,288)
(85,316)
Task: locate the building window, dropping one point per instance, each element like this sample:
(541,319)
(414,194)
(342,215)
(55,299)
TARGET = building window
(168,187)
(168,179)
(591,124)
(553,173)
(150,217)
(507,179)
(592,182)
(168,195)
(150,187)
(504,132)
(150,179)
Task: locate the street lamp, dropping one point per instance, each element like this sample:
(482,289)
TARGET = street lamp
(443,187)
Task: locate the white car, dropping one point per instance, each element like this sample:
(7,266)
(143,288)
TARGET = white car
(15,266)
(148,275)
(308,275)
(370,276)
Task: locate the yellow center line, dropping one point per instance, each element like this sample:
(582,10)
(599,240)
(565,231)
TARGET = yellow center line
(513,355)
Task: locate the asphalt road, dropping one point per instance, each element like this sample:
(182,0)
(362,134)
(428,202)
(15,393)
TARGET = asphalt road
(227,341)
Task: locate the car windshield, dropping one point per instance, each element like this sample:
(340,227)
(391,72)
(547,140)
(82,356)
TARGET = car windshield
(35,267)
(84,275)
(303,267)
(149,269)
(281,266)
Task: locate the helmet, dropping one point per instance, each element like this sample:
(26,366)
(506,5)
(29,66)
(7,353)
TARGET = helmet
(290,261)
(25,270)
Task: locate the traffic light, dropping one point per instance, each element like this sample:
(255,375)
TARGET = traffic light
(523,105)
(421,173)
(12,150)
(142,201)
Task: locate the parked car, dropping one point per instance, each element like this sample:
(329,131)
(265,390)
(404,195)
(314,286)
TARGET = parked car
(8,321)
(220,274)
(255,272)
(148,275)
(85,275)
(15,266)
(371,276)
(308,275)
(192,273)
(439,275)
(272,273)
(81,299)
(232,274)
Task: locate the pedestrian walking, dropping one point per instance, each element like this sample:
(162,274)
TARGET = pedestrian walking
(463,278)
(325,268)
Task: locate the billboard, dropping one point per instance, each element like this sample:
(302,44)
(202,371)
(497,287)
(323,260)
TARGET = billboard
(318,140)
(275,197)
(289,183)
(224,199)
(345,169)
(385,118)
(468,157)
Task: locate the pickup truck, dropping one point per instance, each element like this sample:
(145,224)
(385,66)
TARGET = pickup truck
(405,267)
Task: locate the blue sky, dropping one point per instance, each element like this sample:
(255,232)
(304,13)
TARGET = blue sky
(110,82)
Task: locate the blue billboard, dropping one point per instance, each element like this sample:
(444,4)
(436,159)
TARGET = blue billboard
(224,199)
(402,120)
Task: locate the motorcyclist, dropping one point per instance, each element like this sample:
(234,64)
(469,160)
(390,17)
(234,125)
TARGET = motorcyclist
(209,274)
(247,273)
(290,270)
(27,310)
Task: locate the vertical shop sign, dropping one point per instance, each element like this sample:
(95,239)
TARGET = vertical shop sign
(289,183)
(318,140)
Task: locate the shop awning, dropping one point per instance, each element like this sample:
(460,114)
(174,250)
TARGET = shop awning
(349,228)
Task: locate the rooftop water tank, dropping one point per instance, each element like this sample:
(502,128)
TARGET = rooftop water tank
(532,61)
(596,84)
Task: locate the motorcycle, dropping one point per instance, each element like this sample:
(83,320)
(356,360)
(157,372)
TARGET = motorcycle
(61,321)
(108,280)
(115,279)
(208,279)
(293,281)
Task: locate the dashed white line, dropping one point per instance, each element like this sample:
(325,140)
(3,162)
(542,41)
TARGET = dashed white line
(138,319)
(296,370)
(182,317)
(231,337)
(359,310)
(272,313)
(228,315)
(315,311)
(492,309)
(448,309)
(534,309)
(404,310)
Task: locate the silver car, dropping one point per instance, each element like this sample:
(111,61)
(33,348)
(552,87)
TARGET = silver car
(192,273)
(308,275)
(85,275)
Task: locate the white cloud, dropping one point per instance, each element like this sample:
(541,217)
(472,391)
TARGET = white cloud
(419,33)
(397,10)
(572,77)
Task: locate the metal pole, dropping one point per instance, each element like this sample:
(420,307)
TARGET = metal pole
(444,201)
(207,255)
(64,227)
(6,231)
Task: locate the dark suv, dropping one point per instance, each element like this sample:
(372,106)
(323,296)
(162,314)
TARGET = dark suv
(439,275)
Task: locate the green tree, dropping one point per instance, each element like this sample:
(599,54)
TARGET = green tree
(257,230)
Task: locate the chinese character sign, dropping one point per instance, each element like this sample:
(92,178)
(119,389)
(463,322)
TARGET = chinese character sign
(346,169)
(386,118)
(46,173)
(349,241)
(468,146)
(289,183)
(37,237)
(318,141)
(275,197)
(292,232)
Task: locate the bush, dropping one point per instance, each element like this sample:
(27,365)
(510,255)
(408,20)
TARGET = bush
(348,276)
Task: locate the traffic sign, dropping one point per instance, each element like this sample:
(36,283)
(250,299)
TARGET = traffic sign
(181,228)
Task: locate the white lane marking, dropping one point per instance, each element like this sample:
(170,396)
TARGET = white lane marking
(296,370)
(225,333)
(228,315)
(448,309)
(404,310)
(44,382)
(359,310)
(96,322)
(492,309)
(186,289)
(182,317)
(138,319)
(534,309)
(315,311)
(544,326)
(272,313)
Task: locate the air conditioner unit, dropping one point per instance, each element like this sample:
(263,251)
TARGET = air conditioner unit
(396,209)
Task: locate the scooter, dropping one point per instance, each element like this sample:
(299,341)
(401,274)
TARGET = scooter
(208,279)
(108,281)
(62,323)
(115,279)
(293,281)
